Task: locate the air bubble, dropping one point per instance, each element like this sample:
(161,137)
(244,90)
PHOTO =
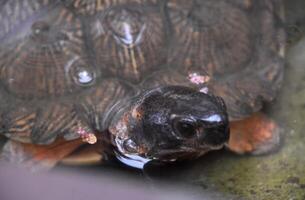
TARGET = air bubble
(80,71)
(85,77)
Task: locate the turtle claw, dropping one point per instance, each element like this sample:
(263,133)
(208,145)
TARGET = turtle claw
(256,135)
(38,158)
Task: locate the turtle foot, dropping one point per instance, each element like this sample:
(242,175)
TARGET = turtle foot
(38,157)
(256,135)
(86,155)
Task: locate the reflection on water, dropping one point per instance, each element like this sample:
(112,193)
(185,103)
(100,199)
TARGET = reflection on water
(280,175)
(132,160)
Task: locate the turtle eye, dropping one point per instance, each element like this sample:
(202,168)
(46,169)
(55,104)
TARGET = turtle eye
(184,128)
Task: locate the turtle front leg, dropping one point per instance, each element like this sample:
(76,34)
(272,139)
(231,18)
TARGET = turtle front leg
(38,157)
(255,135)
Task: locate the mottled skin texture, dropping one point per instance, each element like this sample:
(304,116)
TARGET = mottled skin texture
(66,65)
(173,122)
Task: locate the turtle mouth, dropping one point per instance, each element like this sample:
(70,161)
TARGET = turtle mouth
(132,160)
(181,153)
(138,159)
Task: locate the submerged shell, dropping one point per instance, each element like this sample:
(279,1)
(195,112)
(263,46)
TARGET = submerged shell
(65,64)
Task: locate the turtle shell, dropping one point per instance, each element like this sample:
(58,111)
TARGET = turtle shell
(65,64)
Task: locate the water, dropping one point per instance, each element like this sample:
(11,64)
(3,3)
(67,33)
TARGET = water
(280,175)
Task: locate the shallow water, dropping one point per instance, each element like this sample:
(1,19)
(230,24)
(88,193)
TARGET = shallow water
(280,175)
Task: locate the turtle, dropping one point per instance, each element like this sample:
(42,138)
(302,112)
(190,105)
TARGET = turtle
(163,80)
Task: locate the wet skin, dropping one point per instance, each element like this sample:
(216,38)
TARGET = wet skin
(168,124)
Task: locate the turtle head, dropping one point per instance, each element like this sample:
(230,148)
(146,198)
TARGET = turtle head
(167,124)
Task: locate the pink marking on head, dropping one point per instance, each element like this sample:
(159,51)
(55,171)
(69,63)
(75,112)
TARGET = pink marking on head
(81,131)
(198,79)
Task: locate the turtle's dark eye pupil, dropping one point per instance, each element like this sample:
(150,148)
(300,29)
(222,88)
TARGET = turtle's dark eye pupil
(185,129)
